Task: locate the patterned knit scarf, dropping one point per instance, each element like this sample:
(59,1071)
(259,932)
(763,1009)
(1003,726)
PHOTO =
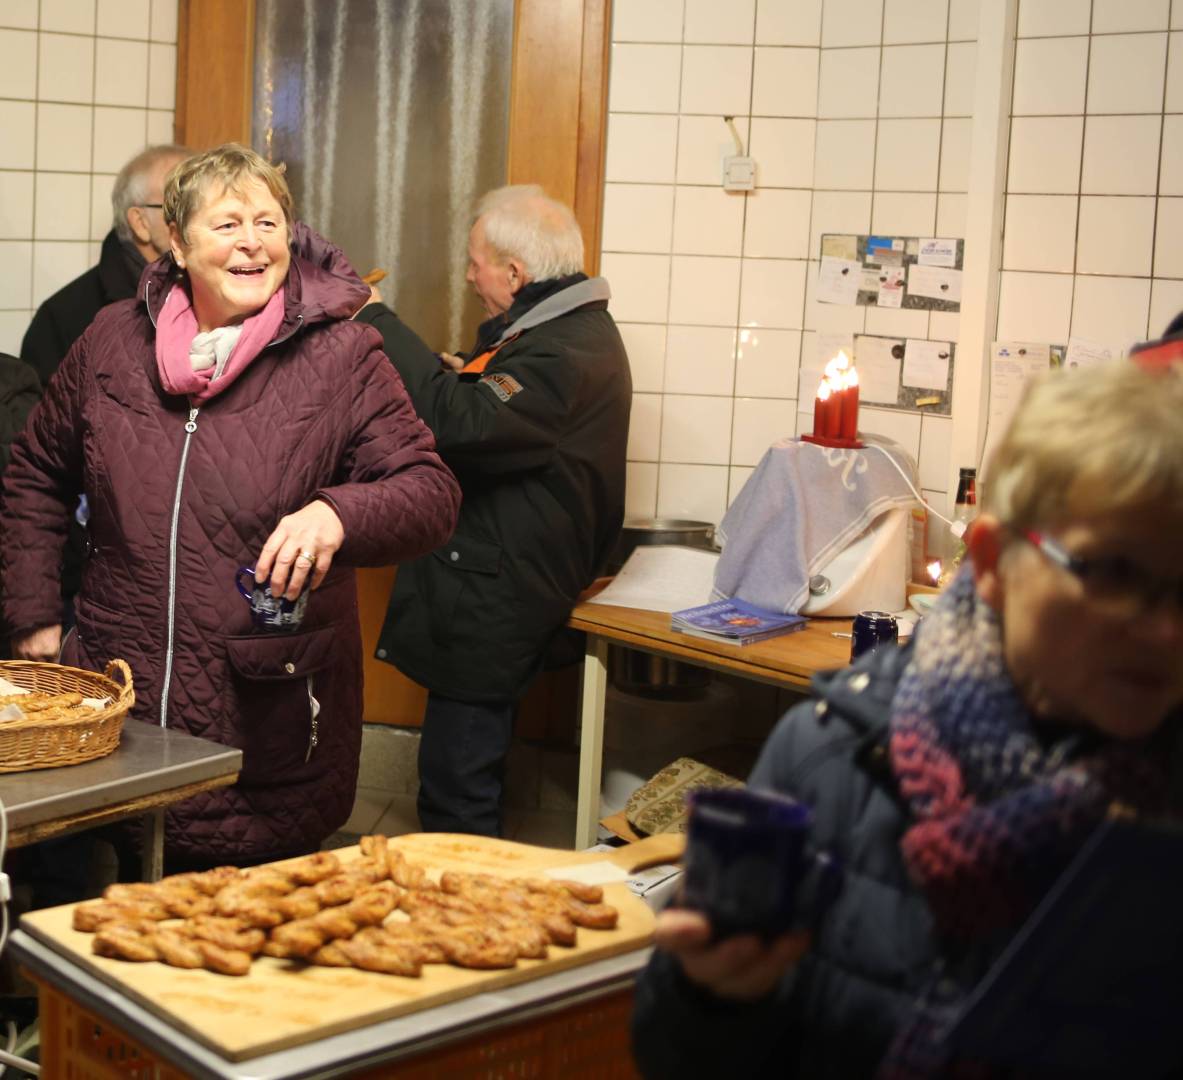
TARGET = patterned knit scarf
(1000,806)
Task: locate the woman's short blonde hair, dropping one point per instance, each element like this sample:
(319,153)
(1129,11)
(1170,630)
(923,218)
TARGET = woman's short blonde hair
(223,168)
(1087,442)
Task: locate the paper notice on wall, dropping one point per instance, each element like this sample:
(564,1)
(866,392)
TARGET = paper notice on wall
(891,287)
(1086,354)
(838,280)
(1013,364)
(938,253)
(937,282)
(926,364)
(878,362)
(839,247)
(814,361)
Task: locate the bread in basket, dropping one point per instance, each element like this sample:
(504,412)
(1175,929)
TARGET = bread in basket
(91,733)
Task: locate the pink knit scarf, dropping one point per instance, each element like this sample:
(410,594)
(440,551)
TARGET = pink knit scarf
(176,327)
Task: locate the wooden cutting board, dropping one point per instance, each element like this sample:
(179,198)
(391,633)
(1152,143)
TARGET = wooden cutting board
(281,1004)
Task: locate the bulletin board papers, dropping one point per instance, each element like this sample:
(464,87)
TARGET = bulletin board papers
(878,362)
(894,373)
(1086,354)
(935,283)
(926,364)
(891,271)
(1013,364)
(839,281)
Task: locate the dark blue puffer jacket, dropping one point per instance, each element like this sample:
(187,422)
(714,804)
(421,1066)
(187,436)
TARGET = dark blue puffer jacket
(873,950)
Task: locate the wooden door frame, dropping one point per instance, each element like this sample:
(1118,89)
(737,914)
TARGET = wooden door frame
(558,94)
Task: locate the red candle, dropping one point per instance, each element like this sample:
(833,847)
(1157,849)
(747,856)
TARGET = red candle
(848,408)
(826,412)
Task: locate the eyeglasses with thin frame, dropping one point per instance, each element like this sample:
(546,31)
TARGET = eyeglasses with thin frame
(150,206)
(1112,583)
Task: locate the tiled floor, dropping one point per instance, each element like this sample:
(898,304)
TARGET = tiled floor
(379,811)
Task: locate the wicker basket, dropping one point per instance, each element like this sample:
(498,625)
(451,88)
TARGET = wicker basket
(45,744)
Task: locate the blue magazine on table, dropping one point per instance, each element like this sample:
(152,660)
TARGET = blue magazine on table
(734,621)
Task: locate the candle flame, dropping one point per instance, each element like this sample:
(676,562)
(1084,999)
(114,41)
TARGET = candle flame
(934,570)
(836,367)
(851,377)
(824,390)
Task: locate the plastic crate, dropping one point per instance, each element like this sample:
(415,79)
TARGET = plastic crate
(589,1041)
(76,1045)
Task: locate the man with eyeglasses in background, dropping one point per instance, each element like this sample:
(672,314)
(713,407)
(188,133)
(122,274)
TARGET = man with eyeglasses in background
(138,236)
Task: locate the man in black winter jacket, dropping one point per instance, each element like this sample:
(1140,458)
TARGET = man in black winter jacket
(534,423)
(19,391)
(137,237)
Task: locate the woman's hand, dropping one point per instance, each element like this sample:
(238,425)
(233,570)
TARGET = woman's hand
(743,968)
(303,543)
(44,644)
(451,361)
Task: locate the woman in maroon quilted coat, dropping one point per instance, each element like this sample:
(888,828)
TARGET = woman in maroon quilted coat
(230,415)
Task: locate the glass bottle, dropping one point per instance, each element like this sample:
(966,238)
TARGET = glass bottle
(965,509)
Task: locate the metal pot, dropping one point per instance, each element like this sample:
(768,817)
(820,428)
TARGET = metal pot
(637,672)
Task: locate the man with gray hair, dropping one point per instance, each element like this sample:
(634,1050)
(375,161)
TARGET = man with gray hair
(533,421)
(138,236)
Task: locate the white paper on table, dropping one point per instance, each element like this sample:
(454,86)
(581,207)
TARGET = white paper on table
(938,282)
(813,362)
(838,280)
(1086,354)
(1012,365)
(938,252)
(878,370)
(926,364)
(662,577)
(891,287)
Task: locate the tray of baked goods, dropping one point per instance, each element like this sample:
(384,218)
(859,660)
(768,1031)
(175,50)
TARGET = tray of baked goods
(253,961)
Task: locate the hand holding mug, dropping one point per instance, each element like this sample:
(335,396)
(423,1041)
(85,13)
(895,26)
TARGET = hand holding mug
(742,968)
(749,866)
(300,549)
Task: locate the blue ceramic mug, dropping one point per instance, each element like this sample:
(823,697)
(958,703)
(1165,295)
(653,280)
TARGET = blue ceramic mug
(271,612)
(748,862)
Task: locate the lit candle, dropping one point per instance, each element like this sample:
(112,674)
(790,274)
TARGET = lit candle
(848,417)
(825,412)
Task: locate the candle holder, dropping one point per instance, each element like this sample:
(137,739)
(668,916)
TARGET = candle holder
(835,409)
(830,440)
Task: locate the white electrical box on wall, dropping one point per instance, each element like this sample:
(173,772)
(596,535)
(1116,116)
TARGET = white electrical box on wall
(739,173)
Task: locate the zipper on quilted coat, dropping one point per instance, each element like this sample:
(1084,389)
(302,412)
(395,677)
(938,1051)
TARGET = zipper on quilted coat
(314,728)
(190,428)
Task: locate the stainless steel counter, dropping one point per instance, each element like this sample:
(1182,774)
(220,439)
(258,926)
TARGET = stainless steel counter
(389,1041)
(151,768)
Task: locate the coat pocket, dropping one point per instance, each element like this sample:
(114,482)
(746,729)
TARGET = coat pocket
(461,565)
(275,679)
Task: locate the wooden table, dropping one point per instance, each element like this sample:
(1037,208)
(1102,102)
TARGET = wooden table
(789,661)
(151,768)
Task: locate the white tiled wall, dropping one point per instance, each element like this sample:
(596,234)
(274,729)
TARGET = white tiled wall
(857,113)
(84,85)
(1092,224)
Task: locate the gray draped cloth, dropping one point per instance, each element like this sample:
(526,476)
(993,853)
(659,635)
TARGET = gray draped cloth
(802,505)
